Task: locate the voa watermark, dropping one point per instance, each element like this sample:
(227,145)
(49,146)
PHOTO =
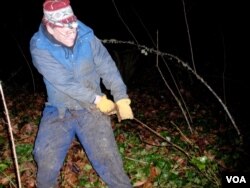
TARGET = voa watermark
(236,179)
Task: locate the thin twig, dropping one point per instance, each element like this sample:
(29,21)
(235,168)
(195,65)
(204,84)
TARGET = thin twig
(139,161)
(10,180)
(182,134)
(176,98)
(186,66)
(189,36)
(169,88)
(127,27)
(160,136)
(11,137)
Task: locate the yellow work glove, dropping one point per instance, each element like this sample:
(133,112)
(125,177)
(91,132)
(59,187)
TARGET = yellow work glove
(105,105)
(124,109)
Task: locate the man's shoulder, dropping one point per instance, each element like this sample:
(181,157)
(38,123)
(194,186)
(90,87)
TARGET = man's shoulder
(36,37)
(84,30)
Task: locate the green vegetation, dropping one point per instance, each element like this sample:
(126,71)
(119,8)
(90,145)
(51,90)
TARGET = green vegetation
(149,160)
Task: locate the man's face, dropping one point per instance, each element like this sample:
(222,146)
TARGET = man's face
(64,35)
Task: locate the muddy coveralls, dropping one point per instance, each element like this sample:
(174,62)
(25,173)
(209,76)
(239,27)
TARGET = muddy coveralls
(72,77)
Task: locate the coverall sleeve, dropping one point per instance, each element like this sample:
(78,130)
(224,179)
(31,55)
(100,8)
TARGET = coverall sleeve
(108,70)
(60,77)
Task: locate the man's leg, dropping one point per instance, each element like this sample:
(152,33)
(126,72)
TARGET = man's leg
(52,143)
(96,135)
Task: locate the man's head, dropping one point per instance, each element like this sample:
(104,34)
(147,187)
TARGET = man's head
(60,21)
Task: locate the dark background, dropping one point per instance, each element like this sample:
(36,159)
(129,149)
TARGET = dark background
(218,30)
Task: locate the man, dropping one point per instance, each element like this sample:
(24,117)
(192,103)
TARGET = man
(73,62)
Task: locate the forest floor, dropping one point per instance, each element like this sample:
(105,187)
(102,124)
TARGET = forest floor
(169,154)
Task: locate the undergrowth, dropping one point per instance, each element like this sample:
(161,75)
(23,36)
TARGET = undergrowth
(149,160)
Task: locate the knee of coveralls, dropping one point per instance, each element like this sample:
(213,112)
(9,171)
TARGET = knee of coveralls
(96,135)
(52,143)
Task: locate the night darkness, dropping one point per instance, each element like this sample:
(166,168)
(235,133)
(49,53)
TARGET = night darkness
(218,29)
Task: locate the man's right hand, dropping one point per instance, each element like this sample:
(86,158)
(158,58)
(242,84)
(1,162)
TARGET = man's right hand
(105,105)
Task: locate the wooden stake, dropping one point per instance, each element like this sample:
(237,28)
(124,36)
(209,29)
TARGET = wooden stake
(11,137)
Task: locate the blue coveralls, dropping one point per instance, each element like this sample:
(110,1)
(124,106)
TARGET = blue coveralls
(72,78)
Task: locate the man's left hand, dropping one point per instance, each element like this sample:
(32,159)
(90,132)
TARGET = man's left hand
(124,109)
